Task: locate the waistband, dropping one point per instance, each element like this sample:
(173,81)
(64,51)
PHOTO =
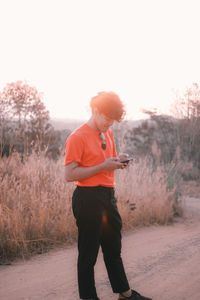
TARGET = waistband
(95,188)
(100,190)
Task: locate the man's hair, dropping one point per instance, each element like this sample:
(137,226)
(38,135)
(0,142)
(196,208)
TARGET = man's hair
(109,104)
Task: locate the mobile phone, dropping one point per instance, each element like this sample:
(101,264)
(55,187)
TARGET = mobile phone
(126,160)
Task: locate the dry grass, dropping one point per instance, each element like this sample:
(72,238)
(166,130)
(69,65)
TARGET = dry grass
(35,202)
(191,188)
(35,210)
(144,197)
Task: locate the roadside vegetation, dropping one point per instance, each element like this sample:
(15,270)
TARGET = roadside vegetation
(35,204)
(35,200)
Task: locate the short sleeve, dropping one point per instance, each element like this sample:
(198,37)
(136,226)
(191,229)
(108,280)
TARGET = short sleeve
(74,147)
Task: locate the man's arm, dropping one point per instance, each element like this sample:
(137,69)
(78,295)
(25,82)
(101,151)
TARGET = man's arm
(75,173)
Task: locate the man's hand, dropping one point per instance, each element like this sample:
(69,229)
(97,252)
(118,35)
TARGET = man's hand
(123,156)
(113,163)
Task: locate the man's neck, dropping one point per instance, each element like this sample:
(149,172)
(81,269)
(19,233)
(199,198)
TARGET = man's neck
(91,122)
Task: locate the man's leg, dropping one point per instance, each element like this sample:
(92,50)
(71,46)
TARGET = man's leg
(111,247)
(88,219)
(88,246)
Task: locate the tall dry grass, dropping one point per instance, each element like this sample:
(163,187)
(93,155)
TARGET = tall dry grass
(148,195)
(35,202)
(35,210)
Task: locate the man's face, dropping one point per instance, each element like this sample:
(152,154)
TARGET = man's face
(102,121)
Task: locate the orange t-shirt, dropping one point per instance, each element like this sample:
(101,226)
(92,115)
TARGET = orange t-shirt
(84,146)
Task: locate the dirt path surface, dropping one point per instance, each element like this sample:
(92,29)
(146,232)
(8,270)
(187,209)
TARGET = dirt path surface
(162,262)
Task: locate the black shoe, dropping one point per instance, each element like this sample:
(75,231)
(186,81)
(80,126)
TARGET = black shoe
(135,296)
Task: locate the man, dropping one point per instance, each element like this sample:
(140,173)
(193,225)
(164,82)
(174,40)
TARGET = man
(90,162)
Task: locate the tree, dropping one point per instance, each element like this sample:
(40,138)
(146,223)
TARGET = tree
(155,137)
(24,113)
(3,124)
(187,104)
(187,109)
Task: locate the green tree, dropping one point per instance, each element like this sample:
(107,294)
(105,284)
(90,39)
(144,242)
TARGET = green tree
(159,130)
(25,115)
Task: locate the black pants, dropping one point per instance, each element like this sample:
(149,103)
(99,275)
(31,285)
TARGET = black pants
(99,224)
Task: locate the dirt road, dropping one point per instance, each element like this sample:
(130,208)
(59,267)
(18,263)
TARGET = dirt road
(162,262)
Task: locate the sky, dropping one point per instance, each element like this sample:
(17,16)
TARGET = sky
(70,50)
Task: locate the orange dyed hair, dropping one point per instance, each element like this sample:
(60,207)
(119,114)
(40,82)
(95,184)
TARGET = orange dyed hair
(109,104)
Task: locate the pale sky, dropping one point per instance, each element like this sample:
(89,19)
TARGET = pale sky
(71,50)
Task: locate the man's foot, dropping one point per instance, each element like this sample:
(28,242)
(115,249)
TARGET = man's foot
(134,296)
